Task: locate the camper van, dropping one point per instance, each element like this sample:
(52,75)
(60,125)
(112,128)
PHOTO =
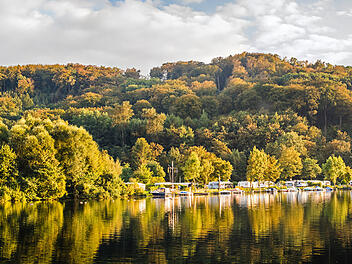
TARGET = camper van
(223,185)
(248,184)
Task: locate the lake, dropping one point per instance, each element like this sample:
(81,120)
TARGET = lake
(244,228)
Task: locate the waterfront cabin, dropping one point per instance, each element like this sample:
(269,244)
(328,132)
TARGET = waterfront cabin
(223,185)
(289,184)
(162,192)
(317,182)
(173,184)
(247,184)
(266,184)
(301,183)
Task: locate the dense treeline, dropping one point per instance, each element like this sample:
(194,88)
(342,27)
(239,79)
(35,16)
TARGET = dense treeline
(44,159)
(211,120)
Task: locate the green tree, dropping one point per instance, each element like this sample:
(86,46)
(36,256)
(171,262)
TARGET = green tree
(121,113)
(239,162)
(39,168)
(4,133)
(222,169)
(310,169)
(8,167)
(348,174)
(155,121)
(257,164)
(141,153)
(207,169)
(191,169)
(188,105)
(290,139)
(110,182)
(139,106)
(143,174)
(334,168)
(158,173)
(127,173)
(79,157)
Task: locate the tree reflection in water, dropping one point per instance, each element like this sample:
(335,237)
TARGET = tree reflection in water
(291,227)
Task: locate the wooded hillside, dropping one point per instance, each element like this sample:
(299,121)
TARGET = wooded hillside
(227,118)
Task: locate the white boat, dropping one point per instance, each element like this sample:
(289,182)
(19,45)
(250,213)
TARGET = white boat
(162,192)
(271,190)
(292,189)
(237,190)
(308,189)
(185,193)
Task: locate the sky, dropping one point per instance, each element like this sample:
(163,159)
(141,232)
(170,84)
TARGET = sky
(146,33)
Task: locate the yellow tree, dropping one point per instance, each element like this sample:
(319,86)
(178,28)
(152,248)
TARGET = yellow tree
(273,169)
(121,113)
(290,162)
(192,168)
(257,164)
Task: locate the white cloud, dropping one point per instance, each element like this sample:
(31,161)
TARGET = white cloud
(295,28)
(143,34)
(192,1)
(126,34)
(345,13)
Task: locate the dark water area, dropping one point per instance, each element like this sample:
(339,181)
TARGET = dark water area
(304,227)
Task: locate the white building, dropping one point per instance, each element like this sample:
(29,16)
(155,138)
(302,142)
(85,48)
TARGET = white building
(289,184)
(223,185)
(266,184)
(247,184)
(301,183)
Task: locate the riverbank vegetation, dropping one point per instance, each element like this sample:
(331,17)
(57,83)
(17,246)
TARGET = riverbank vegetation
(80,131)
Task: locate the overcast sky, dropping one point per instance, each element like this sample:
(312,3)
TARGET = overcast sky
(143,34)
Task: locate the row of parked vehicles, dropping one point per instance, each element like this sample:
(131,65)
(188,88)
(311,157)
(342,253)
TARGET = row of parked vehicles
(226,187)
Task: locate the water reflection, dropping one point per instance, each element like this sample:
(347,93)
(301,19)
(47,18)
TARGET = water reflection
(284,227)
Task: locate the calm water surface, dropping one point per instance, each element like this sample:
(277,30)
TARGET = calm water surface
(260,228)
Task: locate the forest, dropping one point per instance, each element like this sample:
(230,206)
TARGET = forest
(82,131)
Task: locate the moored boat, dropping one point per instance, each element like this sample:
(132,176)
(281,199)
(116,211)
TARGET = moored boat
(224,192)
(308,189)
(271,190)
(237,190)
(161,192)
(185,193)
(292,189)
(201,193)
(319,189)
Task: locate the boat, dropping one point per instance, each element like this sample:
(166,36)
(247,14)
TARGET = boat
(237,190)
(162,192)
(185,193)
(329,189)
(271,190)
(319,189)
(308,189)
(292,189)
(224,192)
(201,193)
